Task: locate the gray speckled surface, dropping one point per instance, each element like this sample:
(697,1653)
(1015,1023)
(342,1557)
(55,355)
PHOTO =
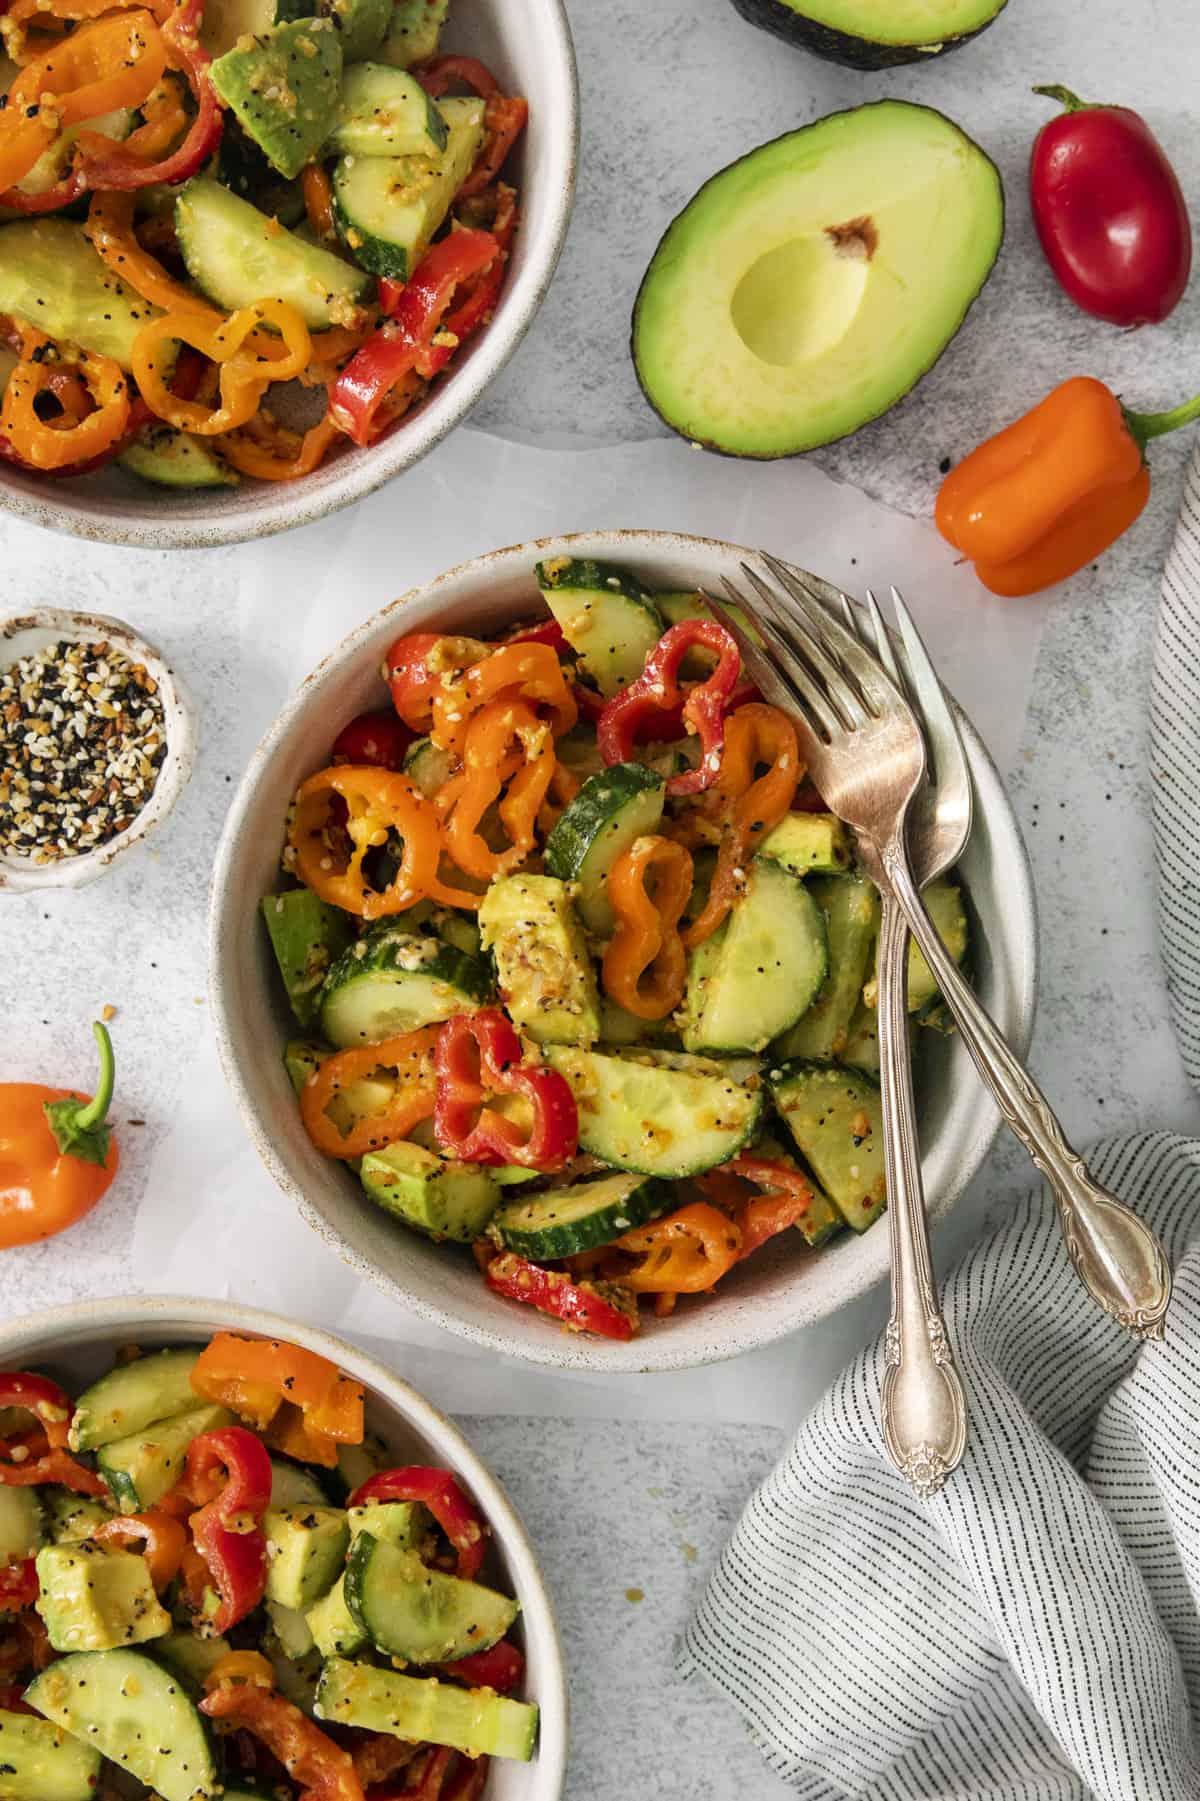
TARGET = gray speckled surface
(672,91)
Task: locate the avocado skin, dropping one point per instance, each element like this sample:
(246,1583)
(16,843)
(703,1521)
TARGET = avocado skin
(750,456)
(782,21)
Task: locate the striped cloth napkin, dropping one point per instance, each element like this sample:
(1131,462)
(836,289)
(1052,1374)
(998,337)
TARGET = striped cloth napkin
(1033,1632)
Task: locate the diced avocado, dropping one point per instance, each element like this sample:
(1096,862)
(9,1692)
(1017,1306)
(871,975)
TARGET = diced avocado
(302,1058)
(430,1193)
(807,287)
(189,1657)
(808,844)
(96,1600)
(307,936)
(290,1628)
(50,274)
(477,1721)
(412,36)
(141,1468)
(873,34)
(22,1525)
(405,1524)
(39,1762)
(393,981)
(176,459)
(306,1547)
(134,1395)
(134,1711)
(283,89)
(71,1517)
(658,1113)
(836,1119)
(545,975)
(361,25)
(418,1613)
(236,256)
(850,904)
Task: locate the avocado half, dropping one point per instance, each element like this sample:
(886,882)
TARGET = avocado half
(873,34)
(807,287)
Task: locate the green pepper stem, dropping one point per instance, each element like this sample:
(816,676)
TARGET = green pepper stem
(1070,102)
(1144,426)
(101,1101)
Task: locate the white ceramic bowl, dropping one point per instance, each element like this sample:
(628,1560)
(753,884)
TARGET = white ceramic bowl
(783,1286)
(528,45)
(23,635)
(76,1344)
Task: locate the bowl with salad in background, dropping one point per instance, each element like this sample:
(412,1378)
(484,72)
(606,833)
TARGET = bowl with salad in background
(259,256)
(544,979)
(238,1557)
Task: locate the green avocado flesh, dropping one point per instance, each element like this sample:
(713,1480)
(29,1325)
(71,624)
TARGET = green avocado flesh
(806,288)
(862,32)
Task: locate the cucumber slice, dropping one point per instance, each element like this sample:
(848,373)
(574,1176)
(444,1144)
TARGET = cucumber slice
(477,1721)
(131,1710)
(413,34)
(944,904)
(808,844)
(434,1196)
(610,811)
(237,256)
(50,273)
(393,981)
(133,1396)
(607,618)
(22,1525)
(37,1763)
(850,905)
(175,459)
(141,1468)
(861,1049)
(411,1611)
(621,1029)
(307,936)
(560,1222)
(294,1486)
(386,112)
(389,207)
(656,1114)
(835,1117)
(427,765)
(761,970)
(543,969)
(190,1658)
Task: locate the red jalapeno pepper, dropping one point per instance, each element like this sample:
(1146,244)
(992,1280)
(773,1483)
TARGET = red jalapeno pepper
(652,699)
(480,1054)
(439,1491)
(227,1532)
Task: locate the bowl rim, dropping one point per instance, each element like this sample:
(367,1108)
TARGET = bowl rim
(179,727)
(123,1314)
(654,1354)
(282,507)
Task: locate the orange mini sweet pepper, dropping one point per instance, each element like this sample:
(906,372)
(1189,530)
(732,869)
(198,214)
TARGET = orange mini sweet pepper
(57,1156)
(1048,494)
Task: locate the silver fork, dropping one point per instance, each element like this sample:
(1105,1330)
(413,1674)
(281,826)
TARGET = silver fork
(923,1411)
(1115,1255)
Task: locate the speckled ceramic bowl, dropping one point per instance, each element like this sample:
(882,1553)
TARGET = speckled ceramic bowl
(76,1344)
(783,1286)
(528,45)
(23,635)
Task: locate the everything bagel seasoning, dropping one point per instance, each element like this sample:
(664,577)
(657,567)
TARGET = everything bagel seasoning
(82,740)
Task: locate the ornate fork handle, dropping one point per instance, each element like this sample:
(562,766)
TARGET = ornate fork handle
(923,1406)
(1116,1257)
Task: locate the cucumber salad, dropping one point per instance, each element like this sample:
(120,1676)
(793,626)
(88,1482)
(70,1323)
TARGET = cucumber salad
(583,966)
(214,1582)
(238,236)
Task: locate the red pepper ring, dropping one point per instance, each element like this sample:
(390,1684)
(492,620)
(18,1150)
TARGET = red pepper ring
(439,1491)
(657,691)
(436,76)
(500,1667)
(227,1532)
(480,1054)
(52,1407)
(581,1306)
(49,1404)
(18,1586)
(105,164)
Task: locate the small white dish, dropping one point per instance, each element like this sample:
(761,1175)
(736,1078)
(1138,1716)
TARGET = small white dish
(23,635)
(76,1344)
(774,1293)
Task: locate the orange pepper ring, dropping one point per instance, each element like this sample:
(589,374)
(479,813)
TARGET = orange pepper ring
(56,446)
(412,1102)
(686,1252)
(754,734)
(646,942)
(245,374)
